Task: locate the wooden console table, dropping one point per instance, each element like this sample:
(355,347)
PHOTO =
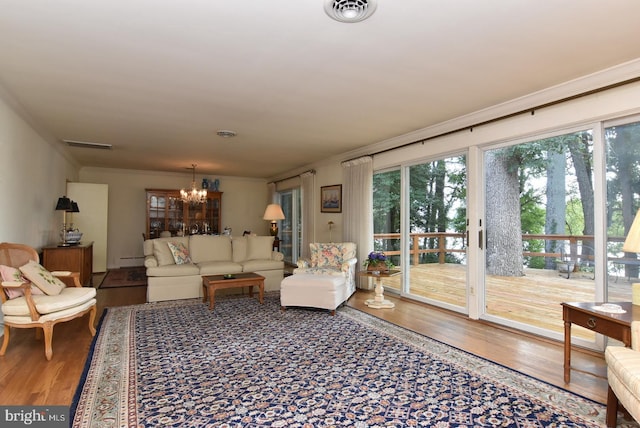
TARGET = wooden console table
(616,326)
(74,258)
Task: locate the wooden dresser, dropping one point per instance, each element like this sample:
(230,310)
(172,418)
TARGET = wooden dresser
(74,258)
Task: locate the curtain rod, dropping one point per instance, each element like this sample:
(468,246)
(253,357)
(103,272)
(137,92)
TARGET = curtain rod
(309,171)
(531,110)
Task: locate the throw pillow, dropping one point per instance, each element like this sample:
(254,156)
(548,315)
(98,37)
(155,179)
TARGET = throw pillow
(42,278)
(180,253)
(259,247)
(329,255)
(12,274)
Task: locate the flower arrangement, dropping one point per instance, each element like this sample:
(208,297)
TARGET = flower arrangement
(377,260)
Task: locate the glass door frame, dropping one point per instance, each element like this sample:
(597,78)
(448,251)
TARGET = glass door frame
(599,228)
(405,255)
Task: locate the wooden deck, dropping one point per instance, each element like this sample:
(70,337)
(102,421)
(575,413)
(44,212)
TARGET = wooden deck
(532,299)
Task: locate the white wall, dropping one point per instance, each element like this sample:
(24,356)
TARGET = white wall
(243,204)
(33,175)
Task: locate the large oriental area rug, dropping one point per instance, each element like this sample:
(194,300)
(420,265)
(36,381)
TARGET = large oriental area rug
(249,365)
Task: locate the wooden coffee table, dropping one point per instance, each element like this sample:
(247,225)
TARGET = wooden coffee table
(211,283)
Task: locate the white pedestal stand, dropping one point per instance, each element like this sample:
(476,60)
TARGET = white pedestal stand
(379,302)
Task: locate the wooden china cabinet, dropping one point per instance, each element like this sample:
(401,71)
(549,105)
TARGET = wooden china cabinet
(167,212)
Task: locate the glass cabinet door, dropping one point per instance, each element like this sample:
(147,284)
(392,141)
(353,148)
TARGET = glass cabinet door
(156,215)
(174,215)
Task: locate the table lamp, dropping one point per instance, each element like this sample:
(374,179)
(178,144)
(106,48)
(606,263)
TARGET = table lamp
(64,205)
(632,245)
(273,213)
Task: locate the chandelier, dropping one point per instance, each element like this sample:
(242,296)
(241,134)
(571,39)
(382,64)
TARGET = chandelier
(193,196)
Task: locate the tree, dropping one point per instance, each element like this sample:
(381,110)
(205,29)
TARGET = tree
(555,216)
(502,220)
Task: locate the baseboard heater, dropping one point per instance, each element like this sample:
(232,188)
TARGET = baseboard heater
(131,261)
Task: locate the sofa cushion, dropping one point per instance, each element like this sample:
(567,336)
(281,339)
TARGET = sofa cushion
(240,247)
(162,252)
(219,267)
(180,253)
(173,270)
(259,247)
(257,265)
(204,248)
(42,278)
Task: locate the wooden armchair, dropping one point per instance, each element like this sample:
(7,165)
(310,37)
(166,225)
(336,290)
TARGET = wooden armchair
(41,311)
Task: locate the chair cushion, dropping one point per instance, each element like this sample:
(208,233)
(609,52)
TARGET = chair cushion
(319,271)
(180,253)
(42,278)
(68,298)
(13,319)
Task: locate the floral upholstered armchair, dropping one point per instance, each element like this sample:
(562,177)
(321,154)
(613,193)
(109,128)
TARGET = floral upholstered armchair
(331,259)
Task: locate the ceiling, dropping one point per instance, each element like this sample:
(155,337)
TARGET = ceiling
(158,78)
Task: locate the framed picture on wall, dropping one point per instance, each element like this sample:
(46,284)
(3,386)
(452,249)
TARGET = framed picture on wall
(331,199)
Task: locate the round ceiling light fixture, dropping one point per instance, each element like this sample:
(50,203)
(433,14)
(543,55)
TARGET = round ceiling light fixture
(226,133)
(350,10)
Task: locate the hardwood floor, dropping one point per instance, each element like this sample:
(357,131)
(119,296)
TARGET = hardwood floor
(26,378)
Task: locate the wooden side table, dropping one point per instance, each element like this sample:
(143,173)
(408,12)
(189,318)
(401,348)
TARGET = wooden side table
(379,302)
(74,258)
(616,326)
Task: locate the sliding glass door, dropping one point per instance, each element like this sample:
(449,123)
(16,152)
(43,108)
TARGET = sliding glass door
(436,233)
(386,221)
(623,200)
(291,227)
(539,230)
(432,253)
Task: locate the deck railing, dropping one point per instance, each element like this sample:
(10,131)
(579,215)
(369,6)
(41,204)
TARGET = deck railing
(579,248)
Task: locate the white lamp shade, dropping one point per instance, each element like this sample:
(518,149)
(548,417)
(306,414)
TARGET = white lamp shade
(632,243)
(273,212)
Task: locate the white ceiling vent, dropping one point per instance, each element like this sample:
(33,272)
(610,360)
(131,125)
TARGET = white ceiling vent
(350,10)
(88,145)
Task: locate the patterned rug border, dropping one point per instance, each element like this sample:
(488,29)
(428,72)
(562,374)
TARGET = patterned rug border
(355,314)
(404,334)
(535,389)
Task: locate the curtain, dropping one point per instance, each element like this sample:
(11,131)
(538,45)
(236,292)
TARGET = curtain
(307,195)
(357,206)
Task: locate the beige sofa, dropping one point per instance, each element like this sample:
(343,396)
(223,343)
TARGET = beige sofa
(210,255)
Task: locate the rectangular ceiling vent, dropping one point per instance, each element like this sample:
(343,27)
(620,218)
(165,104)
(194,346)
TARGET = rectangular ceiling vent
(88,145)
